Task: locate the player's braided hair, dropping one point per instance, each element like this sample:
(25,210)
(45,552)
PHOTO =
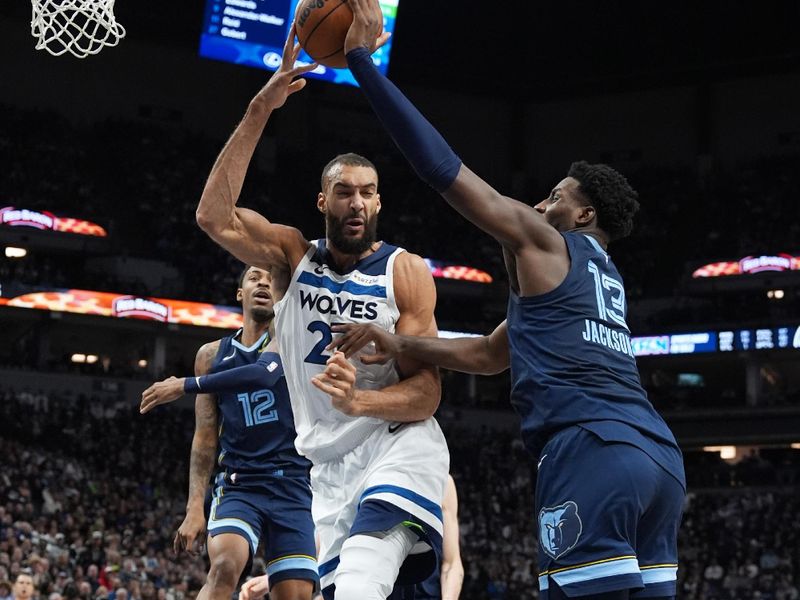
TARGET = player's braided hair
(611,195)
(350,159)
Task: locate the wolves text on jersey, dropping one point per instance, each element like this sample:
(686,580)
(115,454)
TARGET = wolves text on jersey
(326,304)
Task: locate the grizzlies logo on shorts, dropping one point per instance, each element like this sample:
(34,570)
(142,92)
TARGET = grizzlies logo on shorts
(609,505)
(559,529)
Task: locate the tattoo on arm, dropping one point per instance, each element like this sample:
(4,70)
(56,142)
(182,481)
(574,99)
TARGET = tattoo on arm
(204,448)
(204,443)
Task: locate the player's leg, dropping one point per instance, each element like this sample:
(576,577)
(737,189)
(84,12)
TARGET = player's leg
(556,593)
(589,498)
(657,542)
(292,589)
(334,506)
(234,528)
(396,535)
(369,564)
(228,554)
(290,546)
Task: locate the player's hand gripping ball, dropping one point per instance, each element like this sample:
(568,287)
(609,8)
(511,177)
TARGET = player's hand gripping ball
(322,27)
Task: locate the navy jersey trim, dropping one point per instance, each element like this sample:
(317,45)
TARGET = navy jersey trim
(258,343)
(374,264)
(336,287)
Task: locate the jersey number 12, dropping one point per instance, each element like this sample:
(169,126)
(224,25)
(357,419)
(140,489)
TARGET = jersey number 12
(256,407)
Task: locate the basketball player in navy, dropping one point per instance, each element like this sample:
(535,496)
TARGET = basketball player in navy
(262,490)
(380,461)
(611,485)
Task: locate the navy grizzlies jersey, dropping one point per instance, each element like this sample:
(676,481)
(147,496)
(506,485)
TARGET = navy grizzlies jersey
(572,361)
(256,425)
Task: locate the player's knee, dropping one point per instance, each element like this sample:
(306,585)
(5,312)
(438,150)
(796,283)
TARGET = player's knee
(368,566)
(354,579)
(292,589)
(224,572)
(354,586)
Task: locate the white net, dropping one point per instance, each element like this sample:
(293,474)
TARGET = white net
(80,27)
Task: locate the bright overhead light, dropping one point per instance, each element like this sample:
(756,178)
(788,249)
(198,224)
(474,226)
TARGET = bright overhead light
(78,358)
(142,363)
(725,452)
(14,252)
(91,358)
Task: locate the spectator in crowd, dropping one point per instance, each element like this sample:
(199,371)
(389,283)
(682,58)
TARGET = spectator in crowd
(5,590)
(23,587)
(93,520)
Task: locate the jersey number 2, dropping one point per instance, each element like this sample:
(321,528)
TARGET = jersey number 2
(256,407)
(316,355)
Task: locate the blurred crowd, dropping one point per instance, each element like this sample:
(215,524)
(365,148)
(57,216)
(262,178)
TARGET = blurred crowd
(91,494)
(142,180)
(91,497)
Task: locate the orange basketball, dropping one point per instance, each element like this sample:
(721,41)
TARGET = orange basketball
(321,29)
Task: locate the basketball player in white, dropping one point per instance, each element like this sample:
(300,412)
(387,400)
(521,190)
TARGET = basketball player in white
(380,459)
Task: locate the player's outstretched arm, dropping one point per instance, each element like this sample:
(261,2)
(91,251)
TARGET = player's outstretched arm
(245,378)
(484,355)
(416,396)
(452,572)
(512,223)
(201,462)
(161,392)
(261,374)
(245,233)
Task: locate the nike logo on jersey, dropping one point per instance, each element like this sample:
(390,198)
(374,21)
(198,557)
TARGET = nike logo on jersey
(541,460)
(231,356)
(393,428)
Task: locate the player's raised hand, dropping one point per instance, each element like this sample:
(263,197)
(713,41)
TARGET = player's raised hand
(283,84)
(367,28)
(338,380)
(254,588)
(355,336)
(191,534)
(161,392)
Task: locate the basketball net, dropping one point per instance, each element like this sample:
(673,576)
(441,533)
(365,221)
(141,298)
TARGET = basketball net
(80,27)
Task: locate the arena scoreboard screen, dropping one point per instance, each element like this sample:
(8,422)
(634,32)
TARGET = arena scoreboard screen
(786,337)
(252,33)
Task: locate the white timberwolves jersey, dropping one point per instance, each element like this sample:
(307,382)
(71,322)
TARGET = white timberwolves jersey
(318,297)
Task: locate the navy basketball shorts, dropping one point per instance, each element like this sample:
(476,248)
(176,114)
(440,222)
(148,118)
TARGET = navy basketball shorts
(274,508)
(608,518)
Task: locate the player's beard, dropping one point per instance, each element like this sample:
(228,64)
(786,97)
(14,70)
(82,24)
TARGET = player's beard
(261,314)
(356,246)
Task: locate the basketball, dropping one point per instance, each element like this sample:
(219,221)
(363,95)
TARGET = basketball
(321,29)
